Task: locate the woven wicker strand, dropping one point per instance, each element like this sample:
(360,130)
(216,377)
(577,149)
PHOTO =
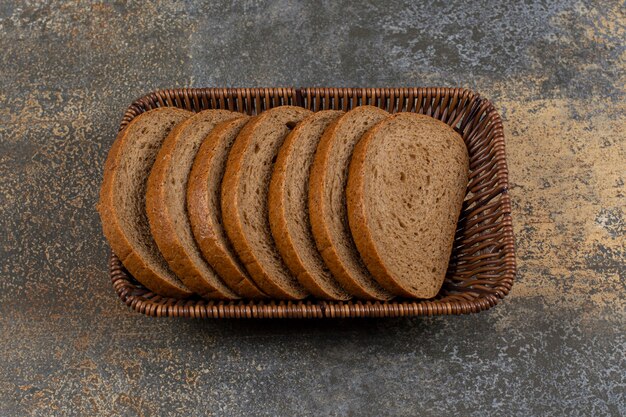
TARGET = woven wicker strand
(482,266)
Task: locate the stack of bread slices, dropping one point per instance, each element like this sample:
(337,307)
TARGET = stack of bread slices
(287,204)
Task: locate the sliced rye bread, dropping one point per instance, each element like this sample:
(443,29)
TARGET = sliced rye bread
(327,202)
(166,204)
(122,205)
(406,185)
(289,212)
(204,207)
(244,200)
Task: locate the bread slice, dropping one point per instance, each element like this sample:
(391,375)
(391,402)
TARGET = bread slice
(122,199)
(327,202)
(406,185)
(244,200)
(166,204)
(204,208)
(289,212)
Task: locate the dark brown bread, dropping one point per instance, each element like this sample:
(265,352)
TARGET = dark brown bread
(122,199)
(327,202)
(167,209)
(288,207)
(205,212)
(244,200)
(406,185)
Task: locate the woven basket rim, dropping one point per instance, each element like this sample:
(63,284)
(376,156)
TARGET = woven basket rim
(478,296)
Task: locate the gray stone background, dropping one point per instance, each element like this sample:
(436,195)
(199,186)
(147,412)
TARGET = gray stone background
(555,346)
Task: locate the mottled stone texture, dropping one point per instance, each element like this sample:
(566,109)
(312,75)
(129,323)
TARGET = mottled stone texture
(555,346)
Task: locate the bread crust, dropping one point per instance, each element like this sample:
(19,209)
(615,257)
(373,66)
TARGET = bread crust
(360,223)
(233,224)
(320,213)
(162,223)
(138,267)
(307,275)
(208,235)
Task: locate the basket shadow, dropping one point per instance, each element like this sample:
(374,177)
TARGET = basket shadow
(344,340)
(370,327)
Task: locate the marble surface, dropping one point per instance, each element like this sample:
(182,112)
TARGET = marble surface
(555,346)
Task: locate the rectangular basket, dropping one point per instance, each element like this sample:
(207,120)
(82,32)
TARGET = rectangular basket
(482,265)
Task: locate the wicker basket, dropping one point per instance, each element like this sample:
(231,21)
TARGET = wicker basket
(482,265)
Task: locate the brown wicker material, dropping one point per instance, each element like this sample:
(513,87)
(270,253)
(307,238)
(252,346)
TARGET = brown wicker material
(482,266)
